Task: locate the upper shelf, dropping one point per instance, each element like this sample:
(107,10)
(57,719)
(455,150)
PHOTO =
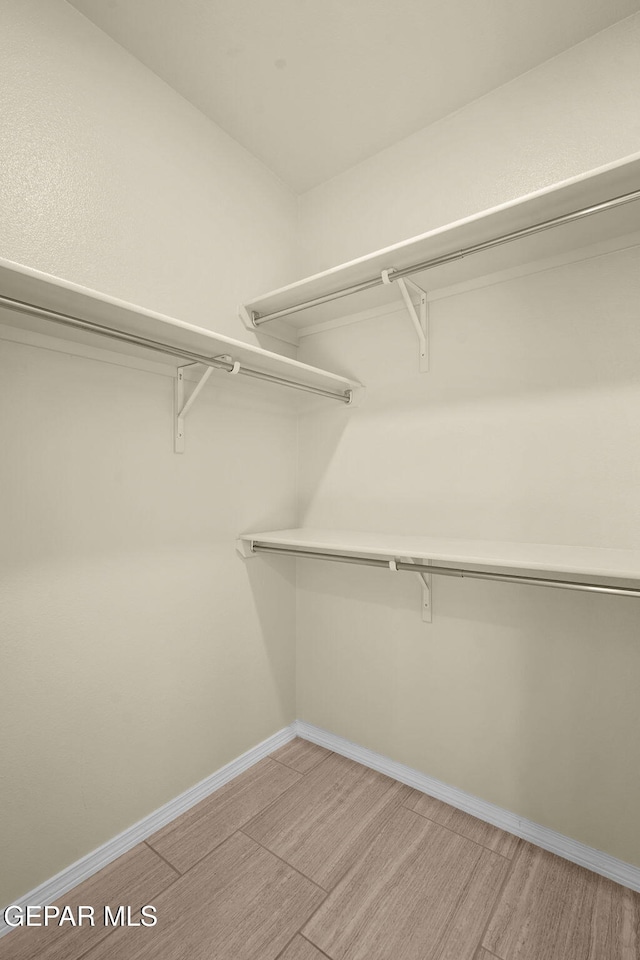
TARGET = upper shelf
(490,227)
(86,315)
(548,559)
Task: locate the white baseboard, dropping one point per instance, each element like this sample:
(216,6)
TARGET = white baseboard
(82,869)
(595,860)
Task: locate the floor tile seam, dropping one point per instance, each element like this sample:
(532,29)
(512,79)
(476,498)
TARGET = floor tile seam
(321,905)
(441,944)
(387,809)
(112,929)
(170,885)
(301,777)
(462,835)
(240,827)
(326,759)
(243,826)
(498,899)
(94,946)
(341,879)
(204,857)
(480,947)
(386,816)
(363,766)
(176,879)
(303,773)
(158,854)
(181,876)
(286,863)
(311,917)
(98,943)
(299,933)
(342,876)
(386,776)
(314,945)
(287,945)
(169,828)
(289,767)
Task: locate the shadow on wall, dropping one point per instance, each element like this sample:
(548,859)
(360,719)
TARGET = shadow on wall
(523,696)
(271,586)
(563,329)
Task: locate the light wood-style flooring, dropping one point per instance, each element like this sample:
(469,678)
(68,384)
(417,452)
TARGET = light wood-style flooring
(309,856)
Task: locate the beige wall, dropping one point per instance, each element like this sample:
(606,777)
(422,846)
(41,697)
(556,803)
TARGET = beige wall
(569,115)
(138,653)
(526,428)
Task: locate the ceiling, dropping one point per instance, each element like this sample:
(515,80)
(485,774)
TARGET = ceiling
(312,87)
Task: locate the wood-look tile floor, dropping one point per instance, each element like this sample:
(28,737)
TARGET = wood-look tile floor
(309,856)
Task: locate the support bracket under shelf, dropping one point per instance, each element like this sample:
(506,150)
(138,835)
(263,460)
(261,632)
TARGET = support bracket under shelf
(425,583)
(419,317)
(182,406)
(544,565)
(427,597)
(245,548)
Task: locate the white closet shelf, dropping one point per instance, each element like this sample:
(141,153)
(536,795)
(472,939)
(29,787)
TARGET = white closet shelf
(570,215)
(59,308)
(594,569)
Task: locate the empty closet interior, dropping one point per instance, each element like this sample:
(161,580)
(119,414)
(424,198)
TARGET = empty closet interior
(396,499)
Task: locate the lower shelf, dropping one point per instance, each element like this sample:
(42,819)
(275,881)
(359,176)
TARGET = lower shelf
(590,569)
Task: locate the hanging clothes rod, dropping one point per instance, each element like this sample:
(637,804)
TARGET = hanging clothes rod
(258,319)
(257,547)
(158,346)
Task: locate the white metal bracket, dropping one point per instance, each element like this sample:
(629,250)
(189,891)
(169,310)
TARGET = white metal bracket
(419,319)
(427,598)
(182,407)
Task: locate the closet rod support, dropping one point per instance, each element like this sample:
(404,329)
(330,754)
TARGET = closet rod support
(443,571)
(425,583)
(427,599)
(157,346)
(375,281)
(420,321)
(181,406)
(426,587)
